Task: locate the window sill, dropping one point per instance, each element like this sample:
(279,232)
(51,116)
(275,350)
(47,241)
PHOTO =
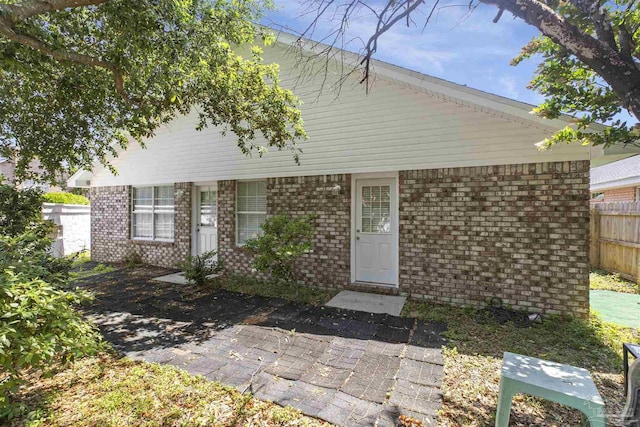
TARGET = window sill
(138,241)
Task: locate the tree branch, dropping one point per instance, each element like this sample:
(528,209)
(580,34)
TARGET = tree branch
(62,55)
(383,27)
(627,46)
(616,69)
(600,19)
(27,9)
(498,16)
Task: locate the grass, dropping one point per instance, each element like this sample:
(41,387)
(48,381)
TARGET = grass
(112,392)
(81,258)
(109,391)
(79,267)
(266,288)
(473,357)
(602,280)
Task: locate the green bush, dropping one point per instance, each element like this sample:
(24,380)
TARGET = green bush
(65,198)
(283,242)
(132,259)
(39,325)
(19,210)
(197,268)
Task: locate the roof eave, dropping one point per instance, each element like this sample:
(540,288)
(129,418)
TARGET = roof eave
(80,179)
(631,181)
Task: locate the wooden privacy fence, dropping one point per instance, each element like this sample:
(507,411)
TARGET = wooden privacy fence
(615,238)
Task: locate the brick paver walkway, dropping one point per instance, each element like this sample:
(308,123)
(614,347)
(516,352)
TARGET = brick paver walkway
(349,368)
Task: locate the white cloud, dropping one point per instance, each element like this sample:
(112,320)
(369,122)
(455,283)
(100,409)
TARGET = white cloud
(509,86)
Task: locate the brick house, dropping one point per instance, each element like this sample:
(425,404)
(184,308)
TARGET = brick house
(422,187)
(7,173)
(617,181)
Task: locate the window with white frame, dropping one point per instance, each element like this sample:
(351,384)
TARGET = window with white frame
(152,213)
(251,209)
(637,194)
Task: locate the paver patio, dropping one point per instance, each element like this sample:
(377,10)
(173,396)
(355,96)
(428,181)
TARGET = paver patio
(347,367)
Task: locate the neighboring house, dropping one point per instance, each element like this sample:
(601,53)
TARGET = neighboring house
(7,170)
(617,182)
(423,187)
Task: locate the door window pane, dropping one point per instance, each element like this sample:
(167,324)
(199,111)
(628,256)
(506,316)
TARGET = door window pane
(208,208)
(376,209)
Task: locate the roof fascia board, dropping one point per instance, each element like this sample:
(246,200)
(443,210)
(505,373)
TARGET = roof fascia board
(631,181)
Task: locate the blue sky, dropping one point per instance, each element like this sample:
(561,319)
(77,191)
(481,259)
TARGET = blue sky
(472,51)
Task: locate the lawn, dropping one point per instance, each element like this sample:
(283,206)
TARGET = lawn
(110,391)
(604,281)
(473,358)
(250,285)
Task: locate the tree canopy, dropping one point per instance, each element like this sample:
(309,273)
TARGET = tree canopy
(590,52)
(81,78)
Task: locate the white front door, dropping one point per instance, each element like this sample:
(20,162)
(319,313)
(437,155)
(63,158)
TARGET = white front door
(206,219)
(376,231)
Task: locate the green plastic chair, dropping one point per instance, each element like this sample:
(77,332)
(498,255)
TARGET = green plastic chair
(559,383)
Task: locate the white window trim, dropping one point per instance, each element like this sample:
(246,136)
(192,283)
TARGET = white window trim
(238,244)
(153,214)
(637,194)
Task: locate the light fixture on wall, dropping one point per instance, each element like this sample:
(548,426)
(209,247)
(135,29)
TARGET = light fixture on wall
(336,190)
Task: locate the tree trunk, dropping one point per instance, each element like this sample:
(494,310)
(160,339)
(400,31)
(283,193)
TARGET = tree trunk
(617,69)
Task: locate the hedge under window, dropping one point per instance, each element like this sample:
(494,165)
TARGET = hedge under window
(153,213)
(251,209)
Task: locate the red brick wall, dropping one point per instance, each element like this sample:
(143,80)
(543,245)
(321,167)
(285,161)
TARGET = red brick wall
(329,264)
(235,258)
(111,228)
(518,232)
(626,194)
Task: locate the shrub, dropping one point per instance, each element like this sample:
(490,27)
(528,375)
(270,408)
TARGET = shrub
(19,210)
(132,259)
(283,242)
(197,268)
(29,254)
(39,325)
(65,198)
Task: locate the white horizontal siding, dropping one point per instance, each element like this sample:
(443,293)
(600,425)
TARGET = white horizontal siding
(395,127)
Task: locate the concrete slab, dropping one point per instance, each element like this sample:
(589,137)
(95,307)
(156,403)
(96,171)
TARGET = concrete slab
(371,303)
(178,278)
